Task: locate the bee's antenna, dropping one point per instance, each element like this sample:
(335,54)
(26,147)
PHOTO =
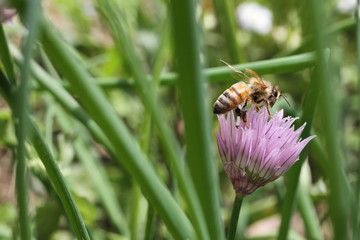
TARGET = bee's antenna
(285,99)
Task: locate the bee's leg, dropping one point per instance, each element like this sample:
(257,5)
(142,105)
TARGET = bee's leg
(238,114)
(241,112)
(257,108)
(268,110)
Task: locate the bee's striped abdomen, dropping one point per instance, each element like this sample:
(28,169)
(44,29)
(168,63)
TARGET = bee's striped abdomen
(231,98)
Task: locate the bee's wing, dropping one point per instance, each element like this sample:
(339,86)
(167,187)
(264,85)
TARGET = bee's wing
(236,73)
(255,75)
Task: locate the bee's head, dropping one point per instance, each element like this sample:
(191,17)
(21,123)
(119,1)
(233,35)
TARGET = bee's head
(274,95)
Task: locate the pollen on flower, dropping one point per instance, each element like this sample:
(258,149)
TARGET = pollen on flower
(255,156)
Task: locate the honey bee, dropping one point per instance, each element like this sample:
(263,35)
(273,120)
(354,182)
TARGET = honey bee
(258,92)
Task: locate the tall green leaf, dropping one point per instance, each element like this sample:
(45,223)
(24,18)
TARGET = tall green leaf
(195,112)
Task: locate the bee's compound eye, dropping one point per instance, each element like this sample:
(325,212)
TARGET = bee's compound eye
(275,92)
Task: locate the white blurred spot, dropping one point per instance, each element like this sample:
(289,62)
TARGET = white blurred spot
(346,6)
(148,40)
(254,17)
(209,21)
(280,34)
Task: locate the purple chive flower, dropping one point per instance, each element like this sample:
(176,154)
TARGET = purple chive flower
(255,156)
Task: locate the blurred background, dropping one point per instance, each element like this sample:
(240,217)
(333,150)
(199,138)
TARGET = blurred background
(261,30)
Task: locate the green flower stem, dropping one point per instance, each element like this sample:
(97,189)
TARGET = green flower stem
(221,74)
(355,233)
(127,148)
(234,217)
(339,197)
(31,16)
(5,56)
(294,172)
(319,155)
(308,213)
(58,182)
(150,224)
(135,207)
(225,13)
(158,66)
(195,113)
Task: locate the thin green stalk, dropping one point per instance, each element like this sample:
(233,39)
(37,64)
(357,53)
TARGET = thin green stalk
(221,74)
(158,65)
(355,233)
(48,65)
(49,123)
(135,206)
(308,215)
(293,174)
(150,224)
(49,162)
(274,66)
(339,194)
(95,169)
(234,218)
(225,13)
(114,16)
(5,56)
(195,112)
(102,185)
(127,148)
(319,155)
(31,16)
(58,181)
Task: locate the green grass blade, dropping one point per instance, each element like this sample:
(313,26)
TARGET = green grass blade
(221,74)
(225,13)
(308,214)
(196,115)
(135,210)
(126,147)
(319,155)
(59,182)
(158,65)
(150,225)
(355,233)
(31,17)
(102,185)
(339,195)
(293,174)
(5,56)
